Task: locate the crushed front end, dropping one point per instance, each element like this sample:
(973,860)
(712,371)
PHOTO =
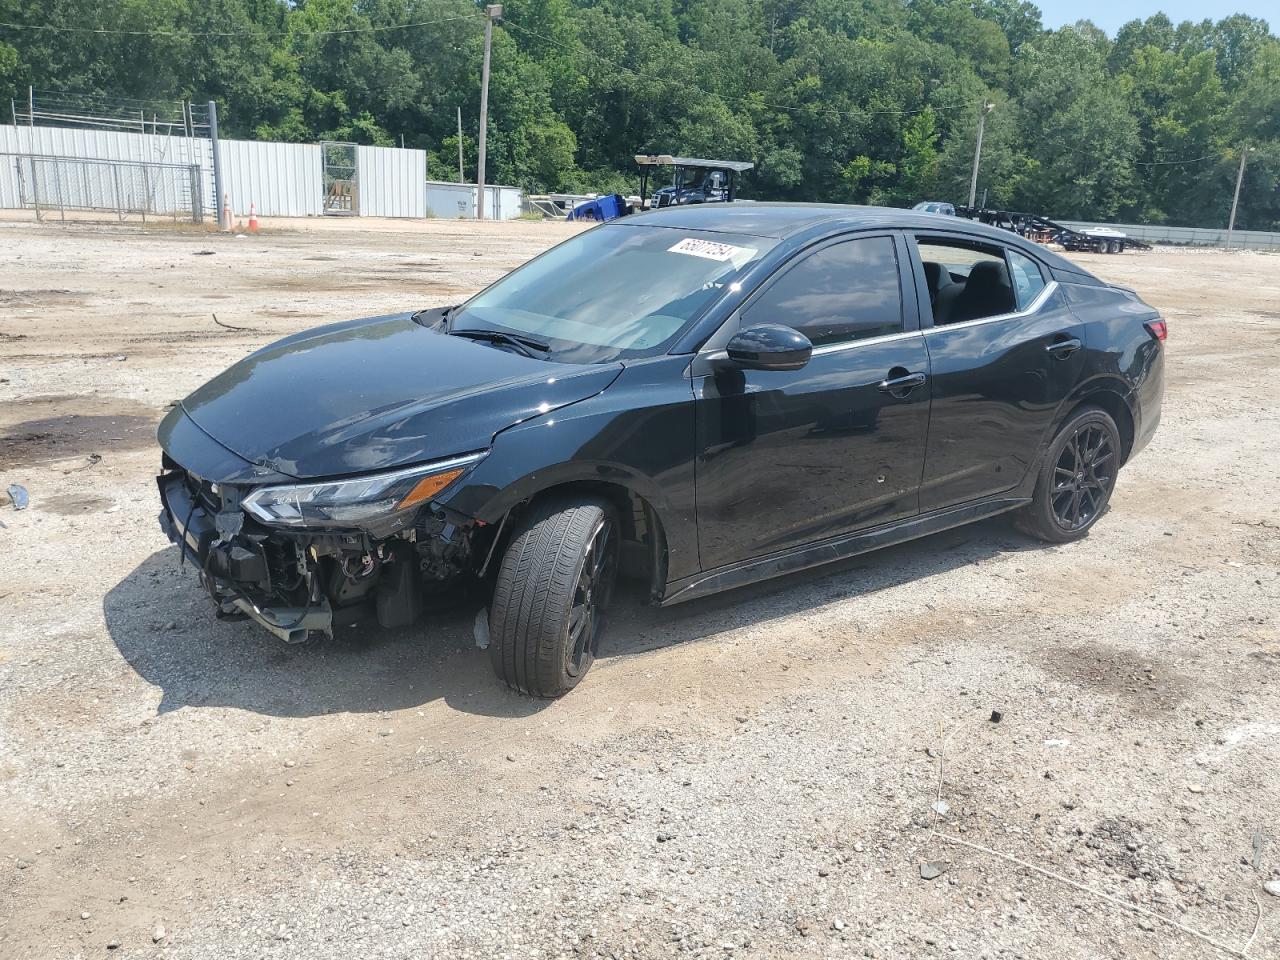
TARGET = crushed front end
(287,555)
(273,579)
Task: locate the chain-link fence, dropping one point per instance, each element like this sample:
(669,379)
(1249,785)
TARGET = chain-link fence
(126,188)
(341,178)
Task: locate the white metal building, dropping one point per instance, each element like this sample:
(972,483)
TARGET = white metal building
(458,200)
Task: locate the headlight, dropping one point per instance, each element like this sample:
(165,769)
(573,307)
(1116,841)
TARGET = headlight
(359,501)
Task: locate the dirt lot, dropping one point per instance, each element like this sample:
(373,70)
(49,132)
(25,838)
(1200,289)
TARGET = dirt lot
(752,775)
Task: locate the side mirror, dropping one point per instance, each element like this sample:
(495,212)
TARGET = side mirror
(769,346)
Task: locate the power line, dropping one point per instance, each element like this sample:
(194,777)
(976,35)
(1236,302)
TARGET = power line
(1171,163)
(188,34)
(843,114)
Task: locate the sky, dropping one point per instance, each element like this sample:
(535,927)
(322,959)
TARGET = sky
(1110,15)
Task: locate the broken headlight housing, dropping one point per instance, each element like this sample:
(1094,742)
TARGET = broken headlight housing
(372,499)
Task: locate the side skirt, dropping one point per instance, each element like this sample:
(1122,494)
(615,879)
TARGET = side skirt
(838,548)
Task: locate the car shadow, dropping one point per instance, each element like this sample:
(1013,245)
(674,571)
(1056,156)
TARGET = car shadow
(163,625)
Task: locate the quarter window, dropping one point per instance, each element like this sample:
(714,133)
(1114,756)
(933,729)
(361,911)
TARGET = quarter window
(1028,281)
(844,292)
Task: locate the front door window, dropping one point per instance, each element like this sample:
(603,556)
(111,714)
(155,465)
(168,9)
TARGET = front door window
(847,291)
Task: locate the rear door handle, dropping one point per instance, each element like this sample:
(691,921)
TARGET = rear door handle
(1061,349)
(901,386)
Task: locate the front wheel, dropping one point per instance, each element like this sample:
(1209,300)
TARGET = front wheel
(1076,479)
(552,590)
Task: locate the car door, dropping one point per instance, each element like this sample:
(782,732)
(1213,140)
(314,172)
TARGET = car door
(1001,364)
(785,458)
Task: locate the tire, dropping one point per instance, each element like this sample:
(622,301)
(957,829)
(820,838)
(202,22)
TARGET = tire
(552,589)
(1076,479)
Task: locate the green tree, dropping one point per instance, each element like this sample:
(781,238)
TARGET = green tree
(866,100)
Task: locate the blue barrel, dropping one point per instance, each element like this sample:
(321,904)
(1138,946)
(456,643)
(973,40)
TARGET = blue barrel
(609,207)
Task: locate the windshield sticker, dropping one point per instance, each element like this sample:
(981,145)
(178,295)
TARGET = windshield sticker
(709,250)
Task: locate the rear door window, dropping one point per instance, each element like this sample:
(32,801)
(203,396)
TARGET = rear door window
(841,293)
(966,281)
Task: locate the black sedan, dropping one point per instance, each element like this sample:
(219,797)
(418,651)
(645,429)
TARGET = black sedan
(701,397)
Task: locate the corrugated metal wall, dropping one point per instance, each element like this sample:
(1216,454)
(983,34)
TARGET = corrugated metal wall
(279,179)
(103,144)
(95,144)
(391,181)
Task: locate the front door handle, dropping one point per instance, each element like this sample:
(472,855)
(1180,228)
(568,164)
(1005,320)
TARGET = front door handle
(900,386)
(1061,349)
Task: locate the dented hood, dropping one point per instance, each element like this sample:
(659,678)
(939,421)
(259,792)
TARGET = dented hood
(379,393)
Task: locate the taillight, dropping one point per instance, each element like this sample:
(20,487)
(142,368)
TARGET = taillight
(1158,329)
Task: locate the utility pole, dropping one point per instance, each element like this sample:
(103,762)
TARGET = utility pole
(461,176)
(1235,199)
(218,201)
(491,13)
(977,152)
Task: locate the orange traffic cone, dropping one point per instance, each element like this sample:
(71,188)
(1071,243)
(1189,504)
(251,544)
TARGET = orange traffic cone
(226,212)
(253,218)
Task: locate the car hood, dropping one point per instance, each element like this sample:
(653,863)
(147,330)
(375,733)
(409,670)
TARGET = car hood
(379,393)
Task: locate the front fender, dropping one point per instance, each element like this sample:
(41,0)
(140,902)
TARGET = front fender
(638,435)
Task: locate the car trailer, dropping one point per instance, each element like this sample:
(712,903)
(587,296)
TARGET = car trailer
(1043,230)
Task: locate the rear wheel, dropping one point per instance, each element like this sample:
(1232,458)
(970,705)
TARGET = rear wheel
(552,590)
(1076,479)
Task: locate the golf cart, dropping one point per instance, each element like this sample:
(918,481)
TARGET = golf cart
(696,181)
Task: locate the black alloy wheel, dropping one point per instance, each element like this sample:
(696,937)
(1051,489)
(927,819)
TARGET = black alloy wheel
(1083,477)
(591,596)
(555,581)
(1076,479)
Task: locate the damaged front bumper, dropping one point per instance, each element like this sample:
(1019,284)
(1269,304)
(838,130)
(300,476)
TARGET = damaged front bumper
(290,581)
(236,569)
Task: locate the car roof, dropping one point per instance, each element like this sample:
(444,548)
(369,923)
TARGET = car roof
(785,220)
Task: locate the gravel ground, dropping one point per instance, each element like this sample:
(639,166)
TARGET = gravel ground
(764,773)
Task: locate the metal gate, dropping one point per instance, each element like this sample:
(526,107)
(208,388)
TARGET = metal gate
(123,187)
(341,179)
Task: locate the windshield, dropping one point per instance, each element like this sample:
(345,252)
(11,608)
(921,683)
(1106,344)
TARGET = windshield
(691,177)
(615,292)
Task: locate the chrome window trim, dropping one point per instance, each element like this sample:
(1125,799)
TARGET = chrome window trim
(1048,291)
(829,348)
(826,349)
(1032,307)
